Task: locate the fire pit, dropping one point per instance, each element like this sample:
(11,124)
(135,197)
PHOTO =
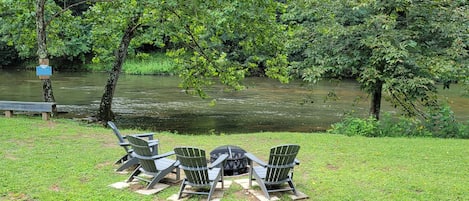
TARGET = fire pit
(236,163)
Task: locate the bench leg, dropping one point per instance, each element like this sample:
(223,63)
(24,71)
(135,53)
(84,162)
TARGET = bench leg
(8,113)
(45,116)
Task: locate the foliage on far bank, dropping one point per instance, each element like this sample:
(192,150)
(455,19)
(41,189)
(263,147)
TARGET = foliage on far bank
(440,124)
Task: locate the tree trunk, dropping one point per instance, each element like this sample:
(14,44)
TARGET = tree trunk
(105,112)
(375,104)
(48,94)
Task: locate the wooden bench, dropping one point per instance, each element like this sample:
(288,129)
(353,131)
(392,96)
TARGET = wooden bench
(46,108)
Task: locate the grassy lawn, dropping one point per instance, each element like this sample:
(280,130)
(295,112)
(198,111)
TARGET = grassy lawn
(66,160)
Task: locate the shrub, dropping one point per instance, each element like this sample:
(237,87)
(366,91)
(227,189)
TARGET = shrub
(441,124)
(356,126)
(402,126)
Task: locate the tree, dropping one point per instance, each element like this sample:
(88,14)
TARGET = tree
(8,55)
(132,22)
(48,94)
(18,20)
(67,35)
(399,47)
(218,39)
(228,40)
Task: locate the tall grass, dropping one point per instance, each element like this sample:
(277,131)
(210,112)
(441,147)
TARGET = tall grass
(142,64)
(67,160)
(442,124)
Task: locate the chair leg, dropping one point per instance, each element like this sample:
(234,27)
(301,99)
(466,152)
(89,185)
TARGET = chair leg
(183,185)
(222,181)
(122,159)
(212,189)
(157,178)
(292,186)
(129,163)
(134,173)
(250,172)
(178,173)
(262,185)
(152,183)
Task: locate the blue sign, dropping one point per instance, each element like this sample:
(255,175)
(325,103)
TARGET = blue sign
(43,70)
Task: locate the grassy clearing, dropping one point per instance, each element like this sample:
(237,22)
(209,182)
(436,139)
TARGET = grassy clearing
(66,160)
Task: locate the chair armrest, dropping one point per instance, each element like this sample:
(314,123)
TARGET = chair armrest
(153,142)
(163,155)
(153,145)
(219,160)
(149,135)
(150,142)
(124,144)
(155,157)
(255,159)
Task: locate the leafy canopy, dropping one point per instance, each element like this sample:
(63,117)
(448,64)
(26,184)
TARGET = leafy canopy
(67,35)
(223,39)
(407,45)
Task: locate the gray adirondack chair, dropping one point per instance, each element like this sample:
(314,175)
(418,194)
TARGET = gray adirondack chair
(126,160)
(198,173)
(150,163)
(279,169)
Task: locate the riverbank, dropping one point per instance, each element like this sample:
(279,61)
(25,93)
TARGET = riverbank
(66,160)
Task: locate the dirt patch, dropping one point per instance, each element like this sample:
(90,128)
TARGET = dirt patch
(102,165)
(48,124)
(55,188)
(16,196)
(135,187)
(244,195)
(10,156)
(332,167)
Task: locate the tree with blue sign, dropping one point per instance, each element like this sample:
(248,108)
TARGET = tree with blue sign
(42,51)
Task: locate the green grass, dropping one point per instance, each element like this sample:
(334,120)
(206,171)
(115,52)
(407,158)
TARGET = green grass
(142,64)
(145,64)
(66,160)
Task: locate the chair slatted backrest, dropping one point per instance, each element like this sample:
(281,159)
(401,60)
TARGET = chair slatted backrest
(142,148)
(281,161)
(194,164)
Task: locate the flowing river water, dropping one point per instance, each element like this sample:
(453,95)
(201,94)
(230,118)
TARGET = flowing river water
(157,103)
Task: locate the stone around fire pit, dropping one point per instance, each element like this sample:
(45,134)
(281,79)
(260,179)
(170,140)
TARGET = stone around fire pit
(236,163)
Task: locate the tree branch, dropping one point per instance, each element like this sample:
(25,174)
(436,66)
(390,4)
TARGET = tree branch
(71,6)
(193,39)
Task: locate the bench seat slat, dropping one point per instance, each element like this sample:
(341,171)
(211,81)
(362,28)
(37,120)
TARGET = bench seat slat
(27,106)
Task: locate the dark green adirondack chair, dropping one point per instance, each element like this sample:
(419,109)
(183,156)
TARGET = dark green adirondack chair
(279,170)
(126,160)
(198,173)
(150,163)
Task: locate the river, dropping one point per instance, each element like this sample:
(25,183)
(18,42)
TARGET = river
(157,103)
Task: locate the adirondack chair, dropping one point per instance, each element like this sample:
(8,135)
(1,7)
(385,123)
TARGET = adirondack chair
(150,163)
(126,160)
(279,170)
(198,173)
